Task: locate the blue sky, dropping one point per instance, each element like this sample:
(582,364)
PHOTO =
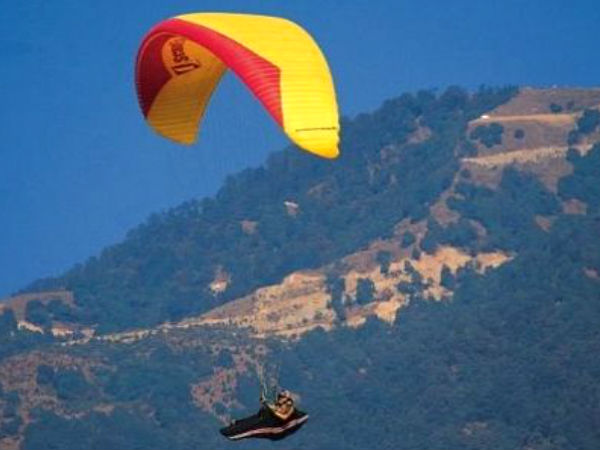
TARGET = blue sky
(80,167)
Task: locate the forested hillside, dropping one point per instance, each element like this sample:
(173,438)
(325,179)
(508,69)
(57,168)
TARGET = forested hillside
(450,259)
(387,172)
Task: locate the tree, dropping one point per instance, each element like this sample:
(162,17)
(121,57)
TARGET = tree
(407,239)
(8,323)
(429,243)
(70,385)
(589,121)
(384,258)
(466,149)
(365,291)
(489,135)
(555,108)
(336,286)
(338,308)
(416,254)
(225,359)
(36,313)
(45,374)
(447,278)
(573,137)
(60,311)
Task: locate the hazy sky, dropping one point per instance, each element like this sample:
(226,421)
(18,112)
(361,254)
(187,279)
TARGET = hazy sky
(80,167)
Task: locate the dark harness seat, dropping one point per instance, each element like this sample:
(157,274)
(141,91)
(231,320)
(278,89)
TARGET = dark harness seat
(265,424)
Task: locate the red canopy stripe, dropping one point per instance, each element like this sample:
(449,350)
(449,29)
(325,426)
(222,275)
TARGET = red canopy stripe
(260,75)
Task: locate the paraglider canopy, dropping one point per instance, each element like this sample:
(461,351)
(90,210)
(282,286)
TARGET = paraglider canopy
(181,61)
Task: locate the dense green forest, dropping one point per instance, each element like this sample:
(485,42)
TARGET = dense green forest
(510,361)
(162,270)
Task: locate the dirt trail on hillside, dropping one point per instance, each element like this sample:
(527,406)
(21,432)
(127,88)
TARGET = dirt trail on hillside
(558,119)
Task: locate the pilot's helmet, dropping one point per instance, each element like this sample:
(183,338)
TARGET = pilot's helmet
(284,394)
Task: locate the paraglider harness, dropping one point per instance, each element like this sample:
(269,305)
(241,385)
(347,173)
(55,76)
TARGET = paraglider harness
(280,402)
(277,418)
(283,406)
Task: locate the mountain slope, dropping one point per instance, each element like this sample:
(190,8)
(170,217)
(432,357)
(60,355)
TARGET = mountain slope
(412,295)
(387,172)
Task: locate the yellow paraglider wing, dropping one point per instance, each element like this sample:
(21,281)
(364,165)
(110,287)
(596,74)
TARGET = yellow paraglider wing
(181,61)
